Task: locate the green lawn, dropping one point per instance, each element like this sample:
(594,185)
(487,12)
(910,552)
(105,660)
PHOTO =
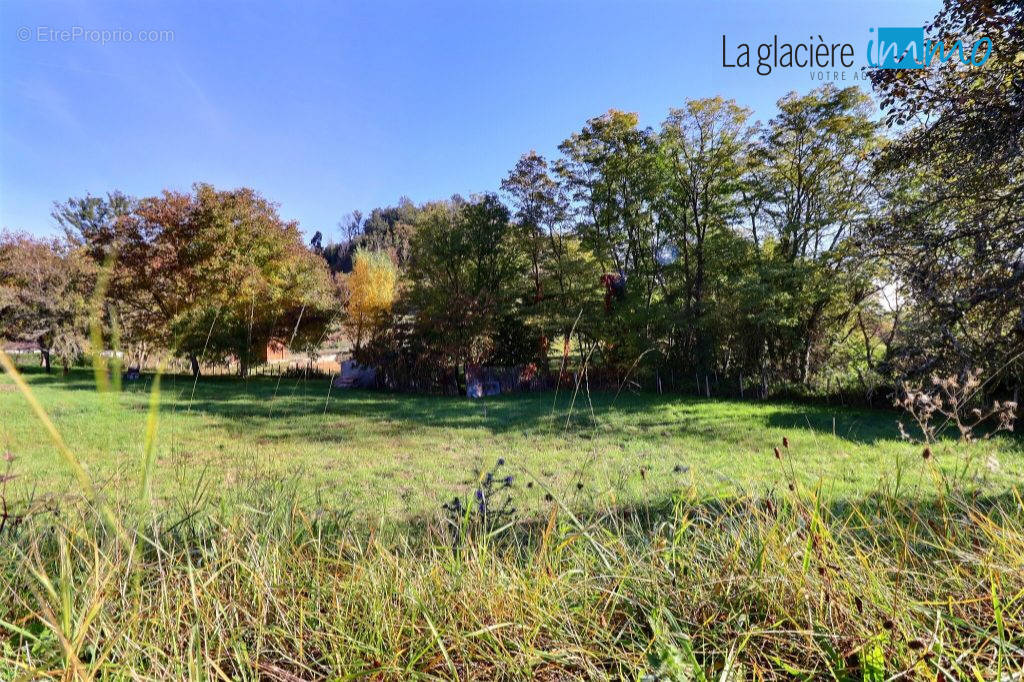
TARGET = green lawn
(396,457)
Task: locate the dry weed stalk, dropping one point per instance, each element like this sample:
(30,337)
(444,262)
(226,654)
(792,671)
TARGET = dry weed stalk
(954,399)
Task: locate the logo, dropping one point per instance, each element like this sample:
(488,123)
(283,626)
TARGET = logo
(907,48)
(777,54)
(890,47)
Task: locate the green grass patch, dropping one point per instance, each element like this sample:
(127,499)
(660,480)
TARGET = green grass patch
(398,457)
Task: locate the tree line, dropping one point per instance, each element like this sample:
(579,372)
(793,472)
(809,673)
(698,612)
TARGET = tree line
(821,251)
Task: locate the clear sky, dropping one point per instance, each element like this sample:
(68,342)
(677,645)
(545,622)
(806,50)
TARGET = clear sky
(334,106)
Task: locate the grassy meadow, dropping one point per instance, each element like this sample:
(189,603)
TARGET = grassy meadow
(297,535)
(398,457)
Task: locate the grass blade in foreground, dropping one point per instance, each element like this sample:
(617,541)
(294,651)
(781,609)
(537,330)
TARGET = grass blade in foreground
(79,472)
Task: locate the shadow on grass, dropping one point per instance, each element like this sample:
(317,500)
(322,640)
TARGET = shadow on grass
(280,409)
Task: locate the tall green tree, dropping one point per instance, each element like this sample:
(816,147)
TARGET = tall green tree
(611,172)
(561,278)
(539,212)
(809,196)
(465,275)
(705,145)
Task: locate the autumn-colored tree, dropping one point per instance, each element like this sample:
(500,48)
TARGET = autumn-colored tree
(371,292)
(214,275)
(44,290)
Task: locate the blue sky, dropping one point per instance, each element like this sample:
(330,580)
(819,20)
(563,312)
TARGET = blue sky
(334,106)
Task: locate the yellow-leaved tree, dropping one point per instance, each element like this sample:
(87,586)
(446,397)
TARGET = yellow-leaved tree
(371,287)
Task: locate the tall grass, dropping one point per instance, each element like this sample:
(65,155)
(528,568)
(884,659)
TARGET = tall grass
(789,585)
(771,588)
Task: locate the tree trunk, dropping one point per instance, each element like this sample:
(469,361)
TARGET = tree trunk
(805,362)
(46,359)
(805,354)
(194,361)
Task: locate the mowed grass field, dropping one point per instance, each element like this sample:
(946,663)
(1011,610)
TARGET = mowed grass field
(386,457)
